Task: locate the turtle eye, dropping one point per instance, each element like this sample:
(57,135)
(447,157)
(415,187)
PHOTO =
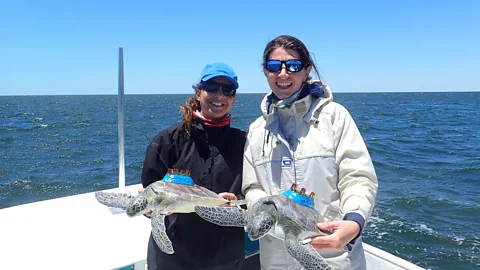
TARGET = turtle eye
(270,203)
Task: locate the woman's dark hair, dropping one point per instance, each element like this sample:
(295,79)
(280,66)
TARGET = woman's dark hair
(191,105)
(291,43)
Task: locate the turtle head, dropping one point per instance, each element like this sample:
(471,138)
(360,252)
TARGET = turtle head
(137,206)
(262,221)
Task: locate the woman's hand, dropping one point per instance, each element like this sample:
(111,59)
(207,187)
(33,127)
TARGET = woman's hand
(229,196)
(343,232)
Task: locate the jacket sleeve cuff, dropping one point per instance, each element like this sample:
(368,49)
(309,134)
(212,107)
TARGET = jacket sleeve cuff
(253,195)
(359,220)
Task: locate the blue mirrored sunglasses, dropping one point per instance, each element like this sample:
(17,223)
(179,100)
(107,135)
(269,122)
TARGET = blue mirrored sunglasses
(213,86)
(293,65)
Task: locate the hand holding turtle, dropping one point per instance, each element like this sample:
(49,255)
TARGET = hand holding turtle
(228,195)
(343,232)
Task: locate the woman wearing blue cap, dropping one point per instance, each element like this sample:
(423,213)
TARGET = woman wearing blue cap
(212,151)
(304,137)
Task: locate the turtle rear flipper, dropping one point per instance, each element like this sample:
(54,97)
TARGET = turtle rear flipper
(158,232)
(223,216)
(306,255)
(111,199)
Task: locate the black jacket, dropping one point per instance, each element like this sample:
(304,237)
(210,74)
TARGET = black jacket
(214,156)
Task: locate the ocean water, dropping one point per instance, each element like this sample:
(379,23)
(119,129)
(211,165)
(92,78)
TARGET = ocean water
(425,148)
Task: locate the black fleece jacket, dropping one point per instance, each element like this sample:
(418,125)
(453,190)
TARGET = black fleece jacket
(214,157)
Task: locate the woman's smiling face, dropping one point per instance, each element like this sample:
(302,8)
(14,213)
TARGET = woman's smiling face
(215,105)
(285,83)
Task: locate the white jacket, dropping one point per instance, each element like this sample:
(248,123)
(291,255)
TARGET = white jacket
(316,142)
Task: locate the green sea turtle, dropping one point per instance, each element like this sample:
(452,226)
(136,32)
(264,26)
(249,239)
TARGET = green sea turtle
(176,193)
(292,211)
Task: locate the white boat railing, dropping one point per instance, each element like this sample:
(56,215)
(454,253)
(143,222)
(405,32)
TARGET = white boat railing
(378,259)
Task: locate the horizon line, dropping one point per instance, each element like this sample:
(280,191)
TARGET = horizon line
(343,92)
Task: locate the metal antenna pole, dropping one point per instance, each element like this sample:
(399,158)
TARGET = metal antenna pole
(121,152)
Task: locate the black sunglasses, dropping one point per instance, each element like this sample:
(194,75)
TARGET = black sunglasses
(293,65)
(213,86)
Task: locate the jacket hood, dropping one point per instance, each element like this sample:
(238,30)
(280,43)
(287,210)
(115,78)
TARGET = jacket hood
(320,92)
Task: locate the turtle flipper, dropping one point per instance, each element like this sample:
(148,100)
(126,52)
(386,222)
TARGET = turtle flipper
(306,255)
(111,199)
(223,216)
(159,233)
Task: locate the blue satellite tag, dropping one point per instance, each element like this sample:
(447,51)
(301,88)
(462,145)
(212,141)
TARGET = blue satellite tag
(300,198)
(178,179)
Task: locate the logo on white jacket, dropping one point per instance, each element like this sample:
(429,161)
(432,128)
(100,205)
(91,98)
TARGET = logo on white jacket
(286,162)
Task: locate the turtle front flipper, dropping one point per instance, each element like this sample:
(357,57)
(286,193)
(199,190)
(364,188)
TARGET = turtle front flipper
(111,199)
(222,216)
(159,233)
(306,255)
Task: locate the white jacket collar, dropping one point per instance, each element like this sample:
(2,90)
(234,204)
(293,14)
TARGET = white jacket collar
(308,106)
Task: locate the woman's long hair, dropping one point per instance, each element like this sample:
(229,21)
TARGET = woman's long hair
(191,105)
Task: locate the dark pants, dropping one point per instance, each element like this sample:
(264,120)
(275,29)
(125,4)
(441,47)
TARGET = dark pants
(158,260)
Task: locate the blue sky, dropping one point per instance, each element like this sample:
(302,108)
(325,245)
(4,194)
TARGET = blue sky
(71,47)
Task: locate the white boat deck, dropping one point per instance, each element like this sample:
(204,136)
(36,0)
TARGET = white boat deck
(74,232)
(77,232)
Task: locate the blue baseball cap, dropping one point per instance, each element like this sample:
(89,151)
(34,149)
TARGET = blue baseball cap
(219,69)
